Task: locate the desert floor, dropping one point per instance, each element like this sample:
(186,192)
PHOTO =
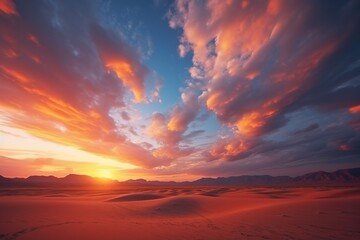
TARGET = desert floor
(180,213)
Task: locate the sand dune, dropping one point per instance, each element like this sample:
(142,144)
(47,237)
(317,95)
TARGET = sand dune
(178,206)
(181,213)
(136,197)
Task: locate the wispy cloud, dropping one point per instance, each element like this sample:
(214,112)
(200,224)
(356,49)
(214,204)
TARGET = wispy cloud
(62,73)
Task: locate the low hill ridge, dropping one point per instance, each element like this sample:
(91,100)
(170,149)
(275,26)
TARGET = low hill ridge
(340,177)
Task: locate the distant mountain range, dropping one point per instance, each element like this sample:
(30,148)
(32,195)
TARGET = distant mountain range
(51,181)
(344,177)
(339,177)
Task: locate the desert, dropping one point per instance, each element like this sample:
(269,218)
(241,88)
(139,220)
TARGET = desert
(181,212)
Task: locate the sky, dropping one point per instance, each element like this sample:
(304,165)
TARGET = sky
(179,90)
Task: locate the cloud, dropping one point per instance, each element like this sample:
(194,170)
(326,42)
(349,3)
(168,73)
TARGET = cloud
(329,148)
(169,131)
(117,56)
(324,148)
(181,116)
(309,128)
(281,77)
(168,139)
(229,149)
(193,134)
(261,60)
(355,109)
(8,7)
(63,71)
(45,166)
(125,116)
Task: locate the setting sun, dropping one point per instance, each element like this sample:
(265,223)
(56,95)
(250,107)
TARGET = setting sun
(105,173)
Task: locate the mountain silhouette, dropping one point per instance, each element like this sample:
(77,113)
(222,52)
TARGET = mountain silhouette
(343,177)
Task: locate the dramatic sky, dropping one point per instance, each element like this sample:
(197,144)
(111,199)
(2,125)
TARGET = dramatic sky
(179,90)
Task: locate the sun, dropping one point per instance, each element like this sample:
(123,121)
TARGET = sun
(105,173)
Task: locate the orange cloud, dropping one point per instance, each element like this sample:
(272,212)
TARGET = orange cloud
(125,64)
(228,148)
(125,72)
(257,62)
(232,43)
(250,122)
(169,131)
(8,7)
(65,93)
(355,109)
(15,75)
(171,152)
(159,130)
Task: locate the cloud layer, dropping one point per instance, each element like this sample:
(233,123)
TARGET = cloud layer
(63,72)
(279,80)
(259,61)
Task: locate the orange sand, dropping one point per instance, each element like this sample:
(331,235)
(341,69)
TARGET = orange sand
(180,213)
